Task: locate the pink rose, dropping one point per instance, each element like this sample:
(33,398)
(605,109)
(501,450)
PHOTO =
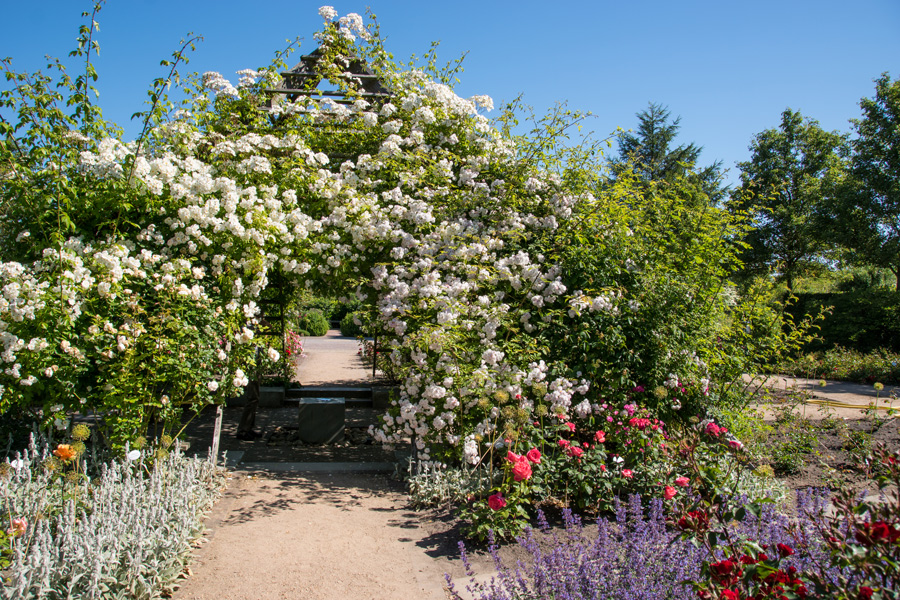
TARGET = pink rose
(713,429)
(534,455)
(574,451)
(682,481)
(600,436)
(513,457)
(669,492)
(571,427)
(521,470)
(496,502)
(563,443)
(736,444)
(627,473)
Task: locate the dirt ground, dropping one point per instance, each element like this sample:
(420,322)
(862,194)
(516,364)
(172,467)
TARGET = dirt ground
(322,536)
(814,446)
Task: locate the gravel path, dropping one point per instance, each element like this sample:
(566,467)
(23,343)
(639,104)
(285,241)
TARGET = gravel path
(320,536)
(838,398)
(332,359)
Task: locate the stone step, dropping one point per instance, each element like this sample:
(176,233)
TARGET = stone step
(329,391)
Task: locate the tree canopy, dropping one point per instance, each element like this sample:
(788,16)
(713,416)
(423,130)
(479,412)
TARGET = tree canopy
(650,152)
(864,216)
(790,171)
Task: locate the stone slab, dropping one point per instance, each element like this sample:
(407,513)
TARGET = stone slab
(321,420)
(381,396)
(271,397)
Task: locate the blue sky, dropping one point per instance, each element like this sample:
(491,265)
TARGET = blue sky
(727,68)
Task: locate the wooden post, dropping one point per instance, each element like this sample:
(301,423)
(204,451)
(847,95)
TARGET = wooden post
(374,353)
(217,433)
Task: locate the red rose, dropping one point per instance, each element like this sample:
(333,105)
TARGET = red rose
(865,593)
(496,501)
(534,455)
(600,436)
(879,531)
(725,571)
(784,550)
(521,470)
(730,595)
(669,492)
(627,473)
(694,520)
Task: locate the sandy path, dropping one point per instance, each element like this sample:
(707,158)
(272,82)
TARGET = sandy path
(332,359)
(340,536)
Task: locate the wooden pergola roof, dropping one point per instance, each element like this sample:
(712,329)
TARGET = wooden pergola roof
(304,78)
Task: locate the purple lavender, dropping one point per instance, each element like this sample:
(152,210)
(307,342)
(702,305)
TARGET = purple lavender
(634,555)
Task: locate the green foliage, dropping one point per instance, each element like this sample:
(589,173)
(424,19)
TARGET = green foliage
(791,171)
(844,364)
(864,216)
(861,320)
(313,323)
(352,324)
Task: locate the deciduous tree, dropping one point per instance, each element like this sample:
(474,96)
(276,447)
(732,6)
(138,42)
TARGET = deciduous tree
(865,216)
(790,171)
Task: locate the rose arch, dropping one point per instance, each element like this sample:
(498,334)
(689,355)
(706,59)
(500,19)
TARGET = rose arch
(514,285)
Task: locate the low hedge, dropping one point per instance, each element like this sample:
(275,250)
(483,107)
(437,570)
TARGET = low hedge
(863,320)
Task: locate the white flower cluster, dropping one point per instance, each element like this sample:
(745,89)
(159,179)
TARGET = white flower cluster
(218,84)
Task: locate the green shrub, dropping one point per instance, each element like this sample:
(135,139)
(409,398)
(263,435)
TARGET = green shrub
(324,305)
(314,323)
(862,320)
(349,328)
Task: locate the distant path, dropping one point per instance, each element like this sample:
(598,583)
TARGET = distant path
(843,399)
(332,359)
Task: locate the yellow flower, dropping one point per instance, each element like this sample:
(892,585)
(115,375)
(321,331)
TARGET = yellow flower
(81,432)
